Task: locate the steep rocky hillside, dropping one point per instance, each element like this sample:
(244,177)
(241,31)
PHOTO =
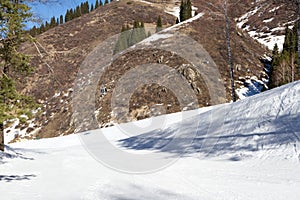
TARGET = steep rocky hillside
(59,53)
(265,20)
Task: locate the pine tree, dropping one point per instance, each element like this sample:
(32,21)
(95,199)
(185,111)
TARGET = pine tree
(284,64)
(42,28)
(287,40)
(47,26)
(61,19)
(72,14)
(129,37)
(92,7)
(100,3)
(275,55)
(185,10)
(142,32)
(77,12)
(106,2)
(13,15)
(123,40)
(52,22)
(33,31)
(158,24)
(86,8)
(97,4)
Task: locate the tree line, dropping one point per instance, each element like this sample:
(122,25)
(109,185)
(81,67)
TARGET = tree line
(130,36)
(71,14)
(284,63)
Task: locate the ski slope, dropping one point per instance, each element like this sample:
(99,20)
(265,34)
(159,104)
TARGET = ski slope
(245,150)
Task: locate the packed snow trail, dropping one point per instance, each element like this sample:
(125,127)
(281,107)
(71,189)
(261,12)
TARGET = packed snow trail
(244,150)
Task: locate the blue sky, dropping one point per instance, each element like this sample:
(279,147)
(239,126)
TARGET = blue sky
(45,11)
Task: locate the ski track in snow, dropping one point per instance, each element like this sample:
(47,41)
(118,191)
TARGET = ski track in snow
(253,155)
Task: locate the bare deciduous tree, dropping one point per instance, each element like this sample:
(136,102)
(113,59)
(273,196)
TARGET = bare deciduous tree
(222,7)
(228,39)
(298,30)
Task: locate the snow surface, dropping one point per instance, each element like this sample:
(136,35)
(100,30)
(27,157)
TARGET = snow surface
(245,150)
(251,87)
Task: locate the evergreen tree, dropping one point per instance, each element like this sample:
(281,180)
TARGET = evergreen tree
(33,31)
(284,64)
(42,28)
(106,2)
(52,22)
(77,12)
(85,7)
(47,26)
(97,4)
(129,37)
(287,45)
(158,24)
(92,7)
(185,10)
(67,16)
(61,19)
(72,14)
(142,32)
(123,40)
(134,35)
(275,55)
(13,15)
(101,3)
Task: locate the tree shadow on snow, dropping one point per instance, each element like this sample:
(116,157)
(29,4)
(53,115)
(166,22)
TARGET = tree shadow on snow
(11,153)
(212,139)
(136,192)
(10,178)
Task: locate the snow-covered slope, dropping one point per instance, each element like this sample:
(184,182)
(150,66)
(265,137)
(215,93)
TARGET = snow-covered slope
(245,150)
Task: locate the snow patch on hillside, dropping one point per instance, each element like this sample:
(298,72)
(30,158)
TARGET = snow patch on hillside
(245,18)
(176,26)
(251,87)
(269,38)
(175,10)
(16,131)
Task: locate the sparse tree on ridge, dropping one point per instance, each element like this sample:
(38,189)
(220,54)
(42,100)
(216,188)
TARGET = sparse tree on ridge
(61,19)
(185,10)
(129,37)
(92,7)
(158,24)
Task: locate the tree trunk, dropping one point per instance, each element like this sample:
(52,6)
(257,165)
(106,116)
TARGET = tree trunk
(1,137)
(229,52)
(298,32)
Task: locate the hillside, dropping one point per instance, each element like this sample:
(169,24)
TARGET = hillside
(244,150)
(62,50)
(266,21)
